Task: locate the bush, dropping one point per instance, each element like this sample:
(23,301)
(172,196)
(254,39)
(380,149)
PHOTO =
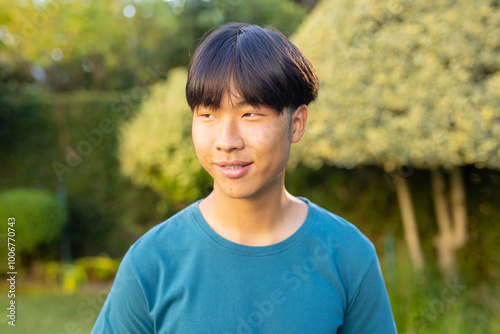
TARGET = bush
(38,217)
(72,276)
(156,148)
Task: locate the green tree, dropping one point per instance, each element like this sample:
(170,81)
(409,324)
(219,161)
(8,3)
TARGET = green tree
(156,148)
(407,83)
(114,44)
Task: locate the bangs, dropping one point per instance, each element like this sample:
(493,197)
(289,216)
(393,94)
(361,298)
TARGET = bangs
(261,65)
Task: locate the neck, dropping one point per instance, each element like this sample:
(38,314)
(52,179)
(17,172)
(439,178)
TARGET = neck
(256,221)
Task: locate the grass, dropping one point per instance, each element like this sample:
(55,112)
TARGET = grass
(428,304)
(41,310)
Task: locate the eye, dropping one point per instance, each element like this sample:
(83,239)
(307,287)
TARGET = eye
(206,115)
(250,114)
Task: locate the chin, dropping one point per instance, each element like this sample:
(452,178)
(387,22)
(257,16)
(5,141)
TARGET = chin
(238,193)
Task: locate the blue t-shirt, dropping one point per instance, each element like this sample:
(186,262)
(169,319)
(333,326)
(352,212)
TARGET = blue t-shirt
(183,278)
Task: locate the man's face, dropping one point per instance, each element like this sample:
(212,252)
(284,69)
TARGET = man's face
(245,149)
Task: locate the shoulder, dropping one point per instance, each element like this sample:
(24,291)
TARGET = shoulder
(351,253)
(346,242)
(174,228)
(168,238)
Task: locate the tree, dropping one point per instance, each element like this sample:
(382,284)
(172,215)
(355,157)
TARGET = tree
(156,148)
(113,45)
(407,84)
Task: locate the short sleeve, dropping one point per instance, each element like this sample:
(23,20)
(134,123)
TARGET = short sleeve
(125,309)
(368,309)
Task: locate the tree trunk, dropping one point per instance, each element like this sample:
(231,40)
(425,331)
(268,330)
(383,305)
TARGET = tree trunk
(458,207)
(409,223)
(452,227)
(444,241)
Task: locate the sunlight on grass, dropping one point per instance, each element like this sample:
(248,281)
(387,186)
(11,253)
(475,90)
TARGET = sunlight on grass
(49,311)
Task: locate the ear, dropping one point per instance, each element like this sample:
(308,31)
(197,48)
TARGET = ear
(298,123)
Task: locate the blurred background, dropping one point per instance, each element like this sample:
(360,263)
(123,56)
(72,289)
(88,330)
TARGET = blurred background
(403,141)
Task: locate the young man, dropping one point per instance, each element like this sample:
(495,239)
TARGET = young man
(249,258)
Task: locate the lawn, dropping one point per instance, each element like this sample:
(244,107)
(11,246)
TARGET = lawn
(48,311)
(428,304)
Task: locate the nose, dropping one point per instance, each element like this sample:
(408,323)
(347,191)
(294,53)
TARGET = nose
(229,136)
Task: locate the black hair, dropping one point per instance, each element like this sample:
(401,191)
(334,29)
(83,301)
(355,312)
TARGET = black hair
(263,65)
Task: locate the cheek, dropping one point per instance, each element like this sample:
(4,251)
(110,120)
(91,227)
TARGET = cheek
(274,139)
(200,141)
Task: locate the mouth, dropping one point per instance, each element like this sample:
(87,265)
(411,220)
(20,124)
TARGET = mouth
(234,169)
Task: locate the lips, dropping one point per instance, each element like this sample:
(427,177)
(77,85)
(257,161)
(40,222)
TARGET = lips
(233,169)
